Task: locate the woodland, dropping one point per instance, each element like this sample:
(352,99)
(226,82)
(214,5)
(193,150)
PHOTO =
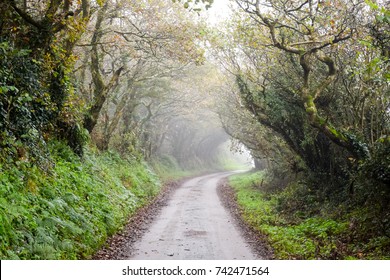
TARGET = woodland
(102,102)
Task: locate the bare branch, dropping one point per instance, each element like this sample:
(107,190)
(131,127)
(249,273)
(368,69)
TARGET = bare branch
(25,16)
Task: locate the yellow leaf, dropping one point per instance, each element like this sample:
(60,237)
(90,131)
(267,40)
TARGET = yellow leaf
(100,2)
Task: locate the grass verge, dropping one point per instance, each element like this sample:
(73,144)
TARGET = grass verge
(69,211)
(319,236)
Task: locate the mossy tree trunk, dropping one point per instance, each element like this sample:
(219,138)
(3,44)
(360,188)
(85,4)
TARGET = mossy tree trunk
(101,88)
(311,55)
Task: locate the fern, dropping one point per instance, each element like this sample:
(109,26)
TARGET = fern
(72,209)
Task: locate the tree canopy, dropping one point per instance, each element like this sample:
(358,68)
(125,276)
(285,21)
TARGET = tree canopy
(303,85)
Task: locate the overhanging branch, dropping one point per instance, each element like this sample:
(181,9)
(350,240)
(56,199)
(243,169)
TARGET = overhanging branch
(26,17)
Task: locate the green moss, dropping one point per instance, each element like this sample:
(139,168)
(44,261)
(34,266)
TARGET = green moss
(337,134)
(309,104)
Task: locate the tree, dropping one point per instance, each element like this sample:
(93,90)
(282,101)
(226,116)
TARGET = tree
(310,30)
(44,32)
(132,43)
(267,60)
(196,5)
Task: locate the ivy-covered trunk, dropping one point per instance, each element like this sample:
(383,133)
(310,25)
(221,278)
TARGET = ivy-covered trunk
(39,32)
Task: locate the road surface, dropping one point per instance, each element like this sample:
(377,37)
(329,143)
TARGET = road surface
(194,225)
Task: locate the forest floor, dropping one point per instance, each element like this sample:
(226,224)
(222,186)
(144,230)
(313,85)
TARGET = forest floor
(194,219)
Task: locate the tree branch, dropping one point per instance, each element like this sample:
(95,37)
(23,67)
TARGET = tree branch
(25,16)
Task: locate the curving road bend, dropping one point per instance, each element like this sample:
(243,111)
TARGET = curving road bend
(194,225)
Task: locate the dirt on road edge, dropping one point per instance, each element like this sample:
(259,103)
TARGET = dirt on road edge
(119,245)
(257,241)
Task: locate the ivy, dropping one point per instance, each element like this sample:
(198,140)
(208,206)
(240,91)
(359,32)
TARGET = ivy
(25,106)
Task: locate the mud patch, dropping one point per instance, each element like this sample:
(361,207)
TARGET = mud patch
(195,233)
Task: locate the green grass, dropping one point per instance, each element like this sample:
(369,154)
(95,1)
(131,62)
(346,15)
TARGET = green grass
(230,164)
(69,211)
(314,237)
(167,168)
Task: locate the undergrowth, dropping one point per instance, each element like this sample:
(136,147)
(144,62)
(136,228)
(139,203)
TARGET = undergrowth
(330,233)
(168,169)
(69,211)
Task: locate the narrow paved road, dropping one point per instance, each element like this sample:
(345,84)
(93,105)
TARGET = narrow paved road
(194,225)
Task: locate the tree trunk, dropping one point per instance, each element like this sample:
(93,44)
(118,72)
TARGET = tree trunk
(101,90)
